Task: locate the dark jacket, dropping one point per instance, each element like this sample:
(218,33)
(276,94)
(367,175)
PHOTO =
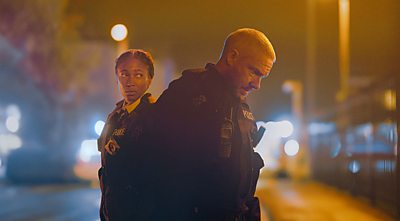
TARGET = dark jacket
(205,137)
(123,176)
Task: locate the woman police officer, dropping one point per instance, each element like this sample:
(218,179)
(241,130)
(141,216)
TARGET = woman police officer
(125,195)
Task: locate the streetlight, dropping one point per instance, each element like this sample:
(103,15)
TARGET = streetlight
(311,58)
(300,165)
(344,51)
(119,33)
(296,89)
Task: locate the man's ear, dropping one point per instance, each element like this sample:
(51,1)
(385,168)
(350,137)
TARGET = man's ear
(117,81)
(232,57)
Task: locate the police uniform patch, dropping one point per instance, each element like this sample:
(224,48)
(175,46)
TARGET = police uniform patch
(119,132)
(248,115)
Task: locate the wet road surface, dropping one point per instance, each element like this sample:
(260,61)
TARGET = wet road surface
(61,202)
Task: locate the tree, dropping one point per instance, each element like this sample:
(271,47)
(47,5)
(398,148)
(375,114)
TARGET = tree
(50,44)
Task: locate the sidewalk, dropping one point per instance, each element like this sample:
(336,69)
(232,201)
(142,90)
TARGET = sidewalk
(284,200)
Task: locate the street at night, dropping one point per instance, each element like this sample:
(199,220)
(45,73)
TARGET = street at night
(281,200)
(199,100)
(49,202)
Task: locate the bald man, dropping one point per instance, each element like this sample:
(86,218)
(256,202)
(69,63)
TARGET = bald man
(206,135)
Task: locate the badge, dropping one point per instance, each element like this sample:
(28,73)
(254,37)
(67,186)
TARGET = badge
(248,115)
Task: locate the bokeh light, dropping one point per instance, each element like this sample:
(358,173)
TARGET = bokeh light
(291,147)
(98,127)
(88,150)
(9,142)
(354,166)
(285,128)
(119,32)
(12,124)
(281,129)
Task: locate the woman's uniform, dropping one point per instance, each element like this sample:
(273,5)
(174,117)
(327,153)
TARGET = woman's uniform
(123,175)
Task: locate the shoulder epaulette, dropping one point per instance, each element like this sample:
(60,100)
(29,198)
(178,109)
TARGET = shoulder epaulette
(193,71)
(195,74)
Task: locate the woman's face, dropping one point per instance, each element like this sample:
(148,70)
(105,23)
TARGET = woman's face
(134,78)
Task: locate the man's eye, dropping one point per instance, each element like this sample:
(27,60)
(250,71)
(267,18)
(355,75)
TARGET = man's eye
(124,74)
(139,75)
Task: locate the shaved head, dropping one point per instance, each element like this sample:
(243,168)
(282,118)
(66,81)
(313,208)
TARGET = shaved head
(247,58)
(248,41)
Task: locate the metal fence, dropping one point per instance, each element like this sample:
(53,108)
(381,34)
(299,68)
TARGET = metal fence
(355,147)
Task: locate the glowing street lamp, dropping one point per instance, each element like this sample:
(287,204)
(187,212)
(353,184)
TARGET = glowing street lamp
(295,88)
(344,49)
(119,33)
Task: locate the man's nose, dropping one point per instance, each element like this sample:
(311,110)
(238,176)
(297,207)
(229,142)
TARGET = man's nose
(256,83)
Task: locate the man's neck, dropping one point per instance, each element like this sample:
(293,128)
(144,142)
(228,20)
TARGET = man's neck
(224,71)
(221,68)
